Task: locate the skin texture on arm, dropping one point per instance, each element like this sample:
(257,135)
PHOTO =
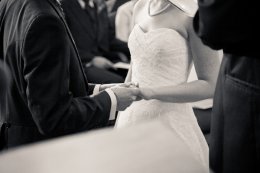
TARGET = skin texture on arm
(206,63)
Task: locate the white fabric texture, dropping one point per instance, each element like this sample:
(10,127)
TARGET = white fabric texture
(163,57)
(187,6)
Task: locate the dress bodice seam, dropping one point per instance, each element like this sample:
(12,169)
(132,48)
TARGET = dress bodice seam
(158,29)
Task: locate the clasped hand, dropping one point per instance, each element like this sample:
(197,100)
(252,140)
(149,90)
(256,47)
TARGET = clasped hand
(126,93)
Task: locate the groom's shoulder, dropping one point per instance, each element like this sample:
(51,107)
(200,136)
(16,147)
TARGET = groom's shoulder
(37,8)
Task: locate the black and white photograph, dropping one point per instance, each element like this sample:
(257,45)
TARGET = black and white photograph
(129,86)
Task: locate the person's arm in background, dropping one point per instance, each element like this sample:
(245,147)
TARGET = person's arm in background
(222,24)
(129,73)
(123,22)
(85,56)
(118,49)
(89,59)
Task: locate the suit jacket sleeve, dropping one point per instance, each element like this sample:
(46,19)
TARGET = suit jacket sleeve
(5,79)
(55,110)
(227,24)
(91,88)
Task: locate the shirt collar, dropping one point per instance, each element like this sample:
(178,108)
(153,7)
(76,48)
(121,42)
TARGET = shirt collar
(82,4)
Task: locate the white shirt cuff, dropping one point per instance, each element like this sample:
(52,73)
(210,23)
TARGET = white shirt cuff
(96,89)
(113,104)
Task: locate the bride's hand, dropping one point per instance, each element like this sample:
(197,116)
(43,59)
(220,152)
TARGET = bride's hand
(146,93)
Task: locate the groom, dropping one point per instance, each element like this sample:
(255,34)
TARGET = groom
(50,95)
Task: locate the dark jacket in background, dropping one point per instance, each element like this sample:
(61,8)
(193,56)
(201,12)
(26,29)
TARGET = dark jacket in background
(233,25)
(93,41)
(49,94)
(114,4)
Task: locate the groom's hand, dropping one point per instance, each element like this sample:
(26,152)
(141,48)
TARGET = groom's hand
(125,96)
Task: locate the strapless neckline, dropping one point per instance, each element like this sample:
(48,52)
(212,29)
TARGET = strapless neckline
(157,30)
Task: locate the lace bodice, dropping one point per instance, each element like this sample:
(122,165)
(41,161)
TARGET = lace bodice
(159,57)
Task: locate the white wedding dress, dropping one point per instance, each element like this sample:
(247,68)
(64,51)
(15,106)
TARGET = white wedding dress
(162,57)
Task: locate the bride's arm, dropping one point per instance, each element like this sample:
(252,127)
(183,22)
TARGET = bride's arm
(206,62)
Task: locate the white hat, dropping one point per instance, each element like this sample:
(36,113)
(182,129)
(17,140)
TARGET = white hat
(188,6)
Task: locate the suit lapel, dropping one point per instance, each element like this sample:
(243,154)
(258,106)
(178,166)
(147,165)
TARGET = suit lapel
(59,11)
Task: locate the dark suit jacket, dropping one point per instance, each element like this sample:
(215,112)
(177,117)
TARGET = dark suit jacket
(4,78)
(4,85)
(230,25)
(49,95)
(92,42)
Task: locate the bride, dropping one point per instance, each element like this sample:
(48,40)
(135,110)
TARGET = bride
(163,47)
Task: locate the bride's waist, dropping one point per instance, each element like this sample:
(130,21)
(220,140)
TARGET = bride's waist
(156,108)
(156,81)
(152,84)
(154,105)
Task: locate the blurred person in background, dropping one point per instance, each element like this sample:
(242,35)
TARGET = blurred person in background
(89,24)
(124,20)
(231,25)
